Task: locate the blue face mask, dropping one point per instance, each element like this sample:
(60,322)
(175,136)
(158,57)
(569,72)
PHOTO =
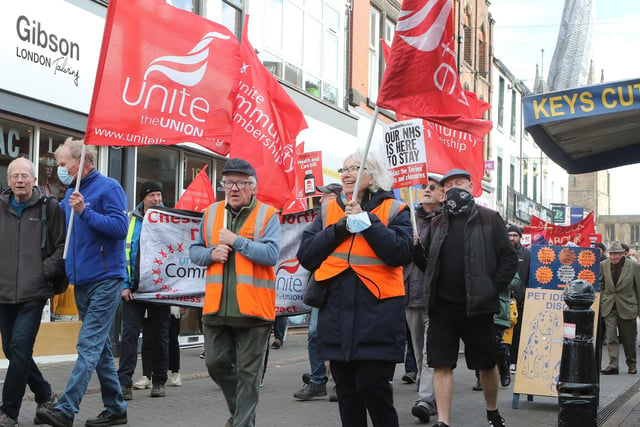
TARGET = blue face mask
(63,175)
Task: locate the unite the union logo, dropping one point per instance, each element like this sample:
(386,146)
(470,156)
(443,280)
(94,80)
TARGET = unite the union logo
(423,29)
(196,58)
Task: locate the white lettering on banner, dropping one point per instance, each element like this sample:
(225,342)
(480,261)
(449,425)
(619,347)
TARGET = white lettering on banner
(291,277)
(251,117)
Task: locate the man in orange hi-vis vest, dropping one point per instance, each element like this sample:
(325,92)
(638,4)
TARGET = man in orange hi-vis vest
(239,243)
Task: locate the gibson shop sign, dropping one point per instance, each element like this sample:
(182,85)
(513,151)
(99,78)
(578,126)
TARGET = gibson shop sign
(50,50)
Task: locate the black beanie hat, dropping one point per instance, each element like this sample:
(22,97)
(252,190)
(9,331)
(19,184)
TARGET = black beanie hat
(514,229)
(149,187)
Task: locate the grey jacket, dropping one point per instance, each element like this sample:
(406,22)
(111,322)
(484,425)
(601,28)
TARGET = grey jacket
(413,275)
(24,271)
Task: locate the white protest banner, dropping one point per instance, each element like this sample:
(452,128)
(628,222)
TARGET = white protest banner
(406,154)
(167,275)
(291,277)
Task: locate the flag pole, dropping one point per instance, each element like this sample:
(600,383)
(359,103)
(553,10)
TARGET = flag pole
(412,210)
(71,215)
(374,119)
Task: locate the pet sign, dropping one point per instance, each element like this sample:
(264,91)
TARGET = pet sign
(543,329)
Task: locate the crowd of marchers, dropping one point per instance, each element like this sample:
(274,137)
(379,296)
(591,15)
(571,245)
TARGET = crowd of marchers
(386,289)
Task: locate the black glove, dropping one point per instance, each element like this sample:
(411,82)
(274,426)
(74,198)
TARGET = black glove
(340,228)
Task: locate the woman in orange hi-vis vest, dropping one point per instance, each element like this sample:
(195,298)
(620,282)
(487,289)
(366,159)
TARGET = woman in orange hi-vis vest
(361,325)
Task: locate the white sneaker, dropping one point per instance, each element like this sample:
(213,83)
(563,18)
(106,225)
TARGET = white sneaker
(175,380)
(142,383)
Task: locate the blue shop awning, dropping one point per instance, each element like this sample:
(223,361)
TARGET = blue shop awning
(589,128)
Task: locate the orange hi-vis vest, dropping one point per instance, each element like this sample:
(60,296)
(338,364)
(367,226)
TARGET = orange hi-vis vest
(382,280)
(255,283)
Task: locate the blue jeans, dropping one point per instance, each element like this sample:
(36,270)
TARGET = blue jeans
(19,324)
(318,369)
(97,304)
(132,321)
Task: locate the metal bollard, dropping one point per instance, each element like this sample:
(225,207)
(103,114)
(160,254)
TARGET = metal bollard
(578,388)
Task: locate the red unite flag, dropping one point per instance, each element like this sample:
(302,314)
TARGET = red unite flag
(421,78)
(165,76)
(266,123)
(198,195)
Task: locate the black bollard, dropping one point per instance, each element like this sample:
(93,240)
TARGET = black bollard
(578,387)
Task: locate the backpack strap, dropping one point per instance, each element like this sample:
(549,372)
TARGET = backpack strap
(43,221)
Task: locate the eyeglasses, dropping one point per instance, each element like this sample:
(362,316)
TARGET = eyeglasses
(350,169)
(240,184)
(20,175)
(430,187)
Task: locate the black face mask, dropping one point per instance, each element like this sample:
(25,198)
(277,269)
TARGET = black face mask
(458,201)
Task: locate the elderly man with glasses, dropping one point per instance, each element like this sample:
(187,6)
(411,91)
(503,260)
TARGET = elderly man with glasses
(238,242)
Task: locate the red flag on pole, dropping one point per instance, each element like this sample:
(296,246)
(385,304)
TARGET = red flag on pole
(266,123)
(421,79)
(198,195)
(165,76)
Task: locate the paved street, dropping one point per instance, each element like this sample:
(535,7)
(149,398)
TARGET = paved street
(199,401)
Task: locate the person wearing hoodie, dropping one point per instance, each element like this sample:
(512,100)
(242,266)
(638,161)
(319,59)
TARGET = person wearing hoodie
(133,311)
(357,247)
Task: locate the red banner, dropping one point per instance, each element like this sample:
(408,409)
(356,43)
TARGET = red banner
(421,78)
(266,123)
(557,235)
(165,76)
(449,148)
(198,195)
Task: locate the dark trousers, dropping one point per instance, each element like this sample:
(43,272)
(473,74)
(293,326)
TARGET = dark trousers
(132,320)
(174,346)
(19,325)
(364,386)
(280,327)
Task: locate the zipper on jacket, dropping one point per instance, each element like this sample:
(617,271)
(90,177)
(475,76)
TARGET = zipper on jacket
(104,261)
(15,294)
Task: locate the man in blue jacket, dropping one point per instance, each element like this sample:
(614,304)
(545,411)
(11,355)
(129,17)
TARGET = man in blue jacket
(95,265)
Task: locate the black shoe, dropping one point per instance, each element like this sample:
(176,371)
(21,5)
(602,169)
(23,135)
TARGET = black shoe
(158,390)
(106,418)
(440,424)
(46,404)
(477,387)
(505,374)
(54,417)
(495,420)
(421,412)
(127,393)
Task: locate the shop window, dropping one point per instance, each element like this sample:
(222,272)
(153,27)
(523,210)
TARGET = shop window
(308,51)
(15,141)
(47,168)
(158,164)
